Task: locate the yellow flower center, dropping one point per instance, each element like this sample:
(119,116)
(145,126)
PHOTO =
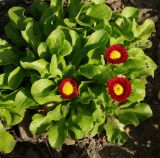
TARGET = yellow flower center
(68,88)
(118,89)
(115,55)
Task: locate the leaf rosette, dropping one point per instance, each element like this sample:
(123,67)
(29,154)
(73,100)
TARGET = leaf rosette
(86,69)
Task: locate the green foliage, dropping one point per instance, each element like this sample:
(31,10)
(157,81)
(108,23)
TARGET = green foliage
(100,12)
(49,46)
(97,39)
(43,91)
(7,142)
(115,131)
(57,134)
(7,55)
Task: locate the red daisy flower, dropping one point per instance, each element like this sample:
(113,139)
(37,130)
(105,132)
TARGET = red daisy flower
(119,88)
(116,54)
(68,88)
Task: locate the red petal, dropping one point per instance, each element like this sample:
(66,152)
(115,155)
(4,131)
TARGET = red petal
(75,87)
(119,48)
(125,83)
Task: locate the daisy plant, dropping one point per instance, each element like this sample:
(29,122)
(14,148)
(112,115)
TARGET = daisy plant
(82,63)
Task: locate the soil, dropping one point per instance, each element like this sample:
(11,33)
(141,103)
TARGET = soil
(144,140)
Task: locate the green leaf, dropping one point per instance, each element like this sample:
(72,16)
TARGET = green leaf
(138,90)
(7,142)
(98,1)
(115,131)
(15,110)
(143,44)
(17,17)
(70,23)
(55,41)
(47,14)
(7,55)
(99,119)
(37,8)
(43,51)
(99,115)
(105,74)
(97,39)
(142,111)
(17,117)
(118,40)
(99,74)
(76,41)
(124,28)
(150,66)
(69,69)
(84,120)
(130,12)
(30,36)
(6,104)
(14,35)
(133,114)
(84,98)
(76,133)
(5,114)
(39,65)
(39,124)
(4,77)
(66,49)
(143,31)
(89,70)
(128,117)
(57,134)
(83,20)
(74,7)
(43,91)
(95,55)
(142,62)
(4,44)
(76,45)
(58,7)
(24,100)
(30,56)
(49,25)
(97,91)
(54,70)
(3,81)
(81,54)
(55,114)
(9,96)
(15,78)
(100,12)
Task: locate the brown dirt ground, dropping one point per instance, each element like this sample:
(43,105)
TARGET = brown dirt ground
(144,141)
